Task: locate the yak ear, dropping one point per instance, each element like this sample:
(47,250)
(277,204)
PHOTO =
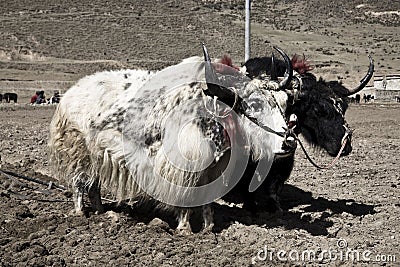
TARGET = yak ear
(214,87)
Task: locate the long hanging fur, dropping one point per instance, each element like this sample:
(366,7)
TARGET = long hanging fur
(89,126)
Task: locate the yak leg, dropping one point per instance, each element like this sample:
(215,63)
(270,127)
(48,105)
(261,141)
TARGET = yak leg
(272,203)
(78,185)
(208,217)
(78,200)
(95,197)
(249,199)
(183,222)
(279,173)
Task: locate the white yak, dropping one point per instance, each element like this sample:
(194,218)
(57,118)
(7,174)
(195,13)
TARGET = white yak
(170,136)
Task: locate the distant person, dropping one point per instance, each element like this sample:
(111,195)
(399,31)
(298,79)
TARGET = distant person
(384,82)
(41,98)
(34,97)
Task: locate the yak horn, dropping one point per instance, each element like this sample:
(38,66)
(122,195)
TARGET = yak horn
(214,87)
(364,81)
(273,68)
(289,69)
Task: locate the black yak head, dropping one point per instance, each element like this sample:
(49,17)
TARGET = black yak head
(319,105)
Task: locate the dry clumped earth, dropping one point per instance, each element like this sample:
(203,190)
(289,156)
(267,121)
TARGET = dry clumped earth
(49,45)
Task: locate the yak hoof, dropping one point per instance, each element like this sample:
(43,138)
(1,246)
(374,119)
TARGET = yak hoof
(183,223)
(99,210)
(251,207)
(273,206)
(115,217)
(183,231)
(77,213)
(208,228)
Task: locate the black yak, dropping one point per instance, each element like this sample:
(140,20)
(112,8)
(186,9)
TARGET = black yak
(320,108)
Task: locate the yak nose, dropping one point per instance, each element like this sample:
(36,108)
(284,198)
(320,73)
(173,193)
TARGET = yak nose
(288,147)
(289,144)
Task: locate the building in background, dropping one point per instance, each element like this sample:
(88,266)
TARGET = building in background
(387,87)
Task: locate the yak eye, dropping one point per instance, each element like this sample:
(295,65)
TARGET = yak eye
(255,105)
(318,111)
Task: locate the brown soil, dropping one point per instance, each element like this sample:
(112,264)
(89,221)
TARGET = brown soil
(49,45)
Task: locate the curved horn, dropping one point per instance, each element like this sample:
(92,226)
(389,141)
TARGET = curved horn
(364,81)
(289,69)
(214,87)
(273,69)
(211,76)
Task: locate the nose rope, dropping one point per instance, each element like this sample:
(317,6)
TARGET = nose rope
(289,132)
(268,129)
(344,141)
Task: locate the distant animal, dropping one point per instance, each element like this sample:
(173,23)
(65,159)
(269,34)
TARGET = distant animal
(368,98)
(397,98)
(1,97)
(114,130)
(358,98)
(8,97)
(55,98)
(320,108)
(354,99)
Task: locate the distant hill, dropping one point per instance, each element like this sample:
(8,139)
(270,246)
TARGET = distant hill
(335,35)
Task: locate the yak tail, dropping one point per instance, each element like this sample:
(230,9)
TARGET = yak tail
(68,152)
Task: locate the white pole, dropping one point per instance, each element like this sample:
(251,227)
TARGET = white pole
(247,32)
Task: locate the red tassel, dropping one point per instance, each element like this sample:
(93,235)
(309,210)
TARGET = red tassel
(301,64)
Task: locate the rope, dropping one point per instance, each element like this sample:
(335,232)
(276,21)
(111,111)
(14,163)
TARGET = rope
(15,180)
(35,180)
(266,128)
(50,185)
(279,107)
(344,141)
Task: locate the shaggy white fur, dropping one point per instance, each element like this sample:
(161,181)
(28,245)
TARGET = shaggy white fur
(111,132)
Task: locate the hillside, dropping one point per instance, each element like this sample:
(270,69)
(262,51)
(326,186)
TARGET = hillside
(58,40)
